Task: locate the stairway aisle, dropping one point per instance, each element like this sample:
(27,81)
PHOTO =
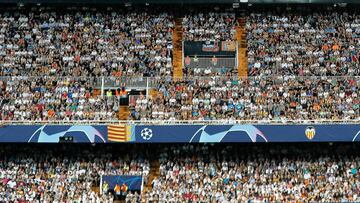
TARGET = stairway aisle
(96,92)
(177,50)
(154,93)
(154,173)
(242,48)
(124,113)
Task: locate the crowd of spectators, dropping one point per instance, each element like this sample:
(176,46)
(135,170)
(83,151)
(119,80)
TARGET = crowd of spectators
(257,174)
(64,173)
(50,59)
(259,98)
(304,42)
(209,26)
(52,98)
(67,49)
(84,41)
(197,173)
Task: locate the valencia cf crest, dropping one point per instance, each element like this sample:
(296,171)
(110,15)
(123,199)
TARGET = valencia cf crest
(310,132)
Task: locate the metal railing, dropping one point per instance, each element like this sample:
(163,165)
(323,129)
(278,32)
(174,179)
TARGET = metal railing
(154,81)
(130,79)
(181,122)
(207,62)
(111,82)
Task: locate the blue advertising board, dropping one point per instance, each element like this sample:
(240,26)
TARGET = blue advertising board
(247,133)
(52,133)
(134,183)
(181,133)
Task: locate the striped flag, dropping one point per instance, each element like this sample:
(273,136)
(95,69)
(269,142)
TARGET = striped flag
(119,133)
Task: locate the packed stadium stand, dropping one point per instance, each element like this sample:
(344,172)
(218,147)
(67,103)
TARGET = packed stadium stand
(85,42)
(257,98)
(228,173)
(304,43)
(154,102)
(126,45)
(64,173)
(195,173)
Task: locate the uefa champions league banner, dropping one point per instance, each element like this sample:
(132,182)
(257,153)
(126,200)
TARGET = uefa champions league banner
(52,133)
(180,133)
(246,133)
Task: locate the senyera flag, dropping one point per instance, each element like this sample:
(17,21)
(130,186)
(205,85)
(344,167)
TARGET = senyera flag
(119,133)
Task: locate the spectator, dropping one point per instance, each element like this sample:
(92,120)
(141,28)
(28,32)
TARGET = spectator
(261,99)
(212,26)
(85,42)
(52,98)
(258,174)
(304,43)
(63,174)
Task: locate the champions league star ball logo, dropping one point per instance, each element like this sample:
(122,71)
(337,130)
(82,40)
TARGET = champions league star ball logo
(250,131)
(51,134)
(146,133)
(310,132)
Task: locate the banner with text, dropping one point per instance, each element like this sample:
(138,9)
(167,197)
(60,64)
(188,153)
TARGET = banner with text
(52,133)
(180,133)
(247,133)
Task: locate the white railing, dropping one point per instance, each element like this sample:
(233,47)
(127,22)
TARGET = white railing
(161,79)
(182,122)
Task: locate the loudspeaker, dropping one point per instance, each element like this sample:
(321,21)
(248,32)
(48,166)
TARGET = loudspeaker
(66,139)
